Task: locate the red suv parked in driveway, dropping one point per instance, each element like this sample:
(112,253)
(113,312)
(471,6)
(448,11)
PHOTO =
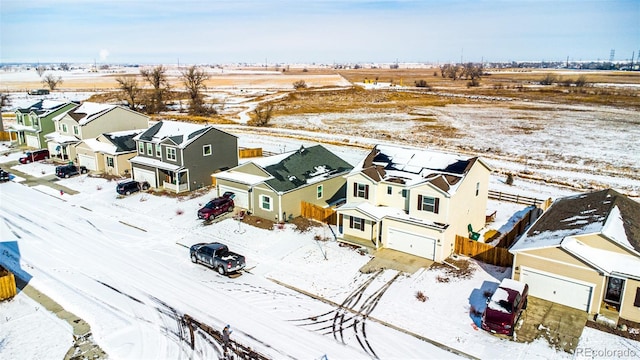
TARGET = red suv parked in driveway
(504,307)
(217,207)
(36,155)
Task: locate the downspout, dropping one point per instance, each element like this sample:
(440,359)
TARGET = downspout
(177,182)
(279,206)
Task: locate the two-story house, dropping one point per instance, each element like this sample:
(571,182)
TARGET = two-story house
(180,156)
(109,153)
(89,121)
(35,120)
(412,200)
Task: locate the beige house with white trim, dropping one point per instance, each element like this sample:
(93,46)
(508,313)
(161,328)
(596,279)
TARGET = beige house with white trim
(413,200)
(109,153)
(584,252)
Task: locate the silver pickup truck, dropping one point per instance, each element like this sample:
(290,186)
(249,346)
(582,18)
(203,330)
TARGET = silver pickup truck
(217,256)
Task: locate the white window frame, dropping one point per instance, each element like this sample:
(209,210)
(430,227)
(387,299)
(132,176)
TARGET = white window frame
(205,148)
(158,151)
(171,154)
(319,192)
(149,149)
(477,188)
(269,201)
(428,206)
(76,130)
(64,128)
(140,147)
(362,191)
(358,223)
(110,160)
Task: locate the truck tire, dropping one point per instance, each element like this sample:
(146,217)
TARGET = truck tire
(193,258)
(220,270)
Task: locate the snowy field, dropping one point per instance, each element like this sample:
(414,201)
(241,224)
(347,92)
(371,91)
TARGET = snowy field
(122,265)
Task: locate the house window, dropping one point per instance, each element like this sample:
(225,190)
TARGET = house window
(150,149)
(636,302)
(64,128)
(404,193)
(36,122)
(206,150)
(265,202)
(389,190)
(361,190)
(171,154)
(109,161)
(141,147)
(76,130)
(427,203)
(356,223)
(158,150)
(477,188)
(319,192)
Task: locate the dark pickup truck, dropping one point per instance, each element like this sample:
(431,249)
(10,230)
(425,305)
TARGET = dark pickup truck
(217,256)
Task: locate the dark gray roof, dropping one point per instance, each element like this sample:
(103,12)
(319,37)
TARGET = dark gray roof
(123,143)
(304,167)
(585,214)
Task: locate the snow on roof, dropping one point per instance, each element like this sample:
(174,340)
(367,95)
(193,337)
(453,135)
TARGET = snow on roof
(375,212)
(99,146)
(61,139)
(607,261)
(272,160)
(19,127)
(89,111)
(154,163)
(181,133)
(241,177)
(412,166)
(593,213)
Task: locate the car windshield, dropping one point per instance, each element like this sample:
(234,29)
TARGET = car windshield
(213,204)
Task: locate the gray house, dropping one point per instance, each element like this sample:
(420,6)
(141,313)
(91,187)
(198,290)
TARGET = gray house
(274,187)
(181,156)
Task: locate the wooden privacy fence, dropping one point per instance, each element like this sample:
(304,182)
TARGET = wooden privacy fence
(7,136)
(249,153)
(311,211)
(507,239)
(518,199)
(483,252)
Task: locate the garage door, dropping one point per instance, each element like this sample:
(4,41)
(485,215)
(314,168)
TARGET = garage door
(32,141)
(411,243)
(558,289)
(241,199)
(145,175)
(88,161)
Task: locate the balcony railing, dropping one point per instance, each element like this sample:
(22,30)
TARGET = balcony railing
(173,187)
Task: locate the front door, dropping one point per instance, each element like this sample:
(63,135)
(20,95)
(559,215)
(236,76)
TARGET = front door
(614,290)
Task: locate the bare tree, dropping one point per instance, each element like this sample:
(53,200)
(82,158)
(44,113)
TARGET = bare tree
(450,71)
(157,77)
(40,69)
(131,91)
(51,81)
(5,102)
(262,114)
(193,80)
(548,79)
(64,66)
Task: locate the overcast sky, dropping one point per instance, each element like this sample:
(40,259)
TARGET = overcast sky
(316,31)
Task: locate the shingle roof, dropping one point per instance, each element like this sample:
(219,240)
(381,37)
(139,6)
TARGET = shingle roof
(123,141)
(180,133)
(305,166)
(606,211)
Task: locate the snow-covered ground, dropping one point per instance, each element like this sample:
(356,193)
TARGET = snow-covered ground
(122,265)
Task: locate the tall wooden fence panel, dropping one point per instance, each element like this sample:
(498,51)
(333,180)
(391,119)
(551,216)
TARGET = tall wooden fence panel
(311,211)
(7,136)
(483,252)
(249,153)
(7,284)
(518,199)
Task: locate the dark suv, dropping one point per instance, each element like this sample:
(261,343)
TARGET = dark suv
(65,171)
(36,155)
(128,187)
(504,307)
(217,207)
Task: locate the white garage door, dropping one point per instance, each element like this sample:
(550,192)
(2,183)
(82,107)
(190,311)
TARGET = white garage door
(411,243)
(145,175)
(558,289)
(241,199)
(88,161)
(32,141)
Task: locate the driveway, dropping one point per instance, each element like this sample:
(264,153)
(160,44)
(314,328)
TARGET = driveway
(560,325)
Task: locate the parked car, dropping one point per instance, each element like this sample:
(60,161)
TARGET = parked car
(36,155)
(216,207)
(4,176)
(65,171)
(128,187)
(505,306)
(217,256)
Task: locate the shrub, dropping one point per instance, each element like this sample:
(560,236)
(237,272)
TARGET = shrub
(422,84)
(548,79)
(300,84)
(421,296)
(442,279)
